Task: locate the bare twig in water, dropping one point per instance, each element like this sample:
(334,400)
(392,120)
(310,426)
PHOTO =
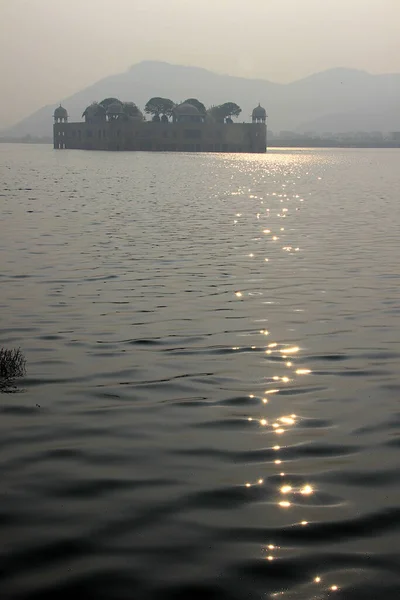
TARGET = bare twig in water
(12,365)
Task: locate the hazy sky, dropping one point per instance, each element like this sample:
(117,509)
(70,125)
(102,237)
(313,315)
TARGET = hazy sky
(50,49)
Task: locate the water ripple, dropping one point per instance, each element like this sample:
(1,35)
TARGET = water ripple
(211,405)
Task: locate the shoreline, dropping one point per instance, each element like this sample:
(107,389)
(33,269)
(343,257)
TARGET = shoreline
(275,144)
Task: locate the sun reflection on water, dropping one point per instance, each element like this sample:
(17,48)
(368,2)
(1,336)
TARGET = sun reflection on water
(284,364)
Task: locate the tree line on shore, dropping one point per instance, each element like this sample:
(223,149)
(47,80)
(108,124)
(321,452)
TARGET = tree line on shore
(162,109)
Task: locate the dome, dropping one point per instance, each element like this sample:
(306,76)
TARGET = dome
(60,113)
(186,110)
(130,110)
(259,112)
(95,109)
(114,109)
(138,115)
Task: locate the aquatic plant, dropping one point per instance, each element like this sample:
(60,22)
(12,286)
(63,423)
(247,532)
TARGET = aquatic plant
(12,366)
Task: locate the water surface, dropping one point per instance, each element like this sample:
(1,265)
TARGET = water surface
(211,404)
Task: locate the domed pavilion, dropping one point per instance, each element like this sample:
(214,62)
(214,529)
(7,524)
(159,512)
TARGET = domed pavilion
(259,114)
(187,113)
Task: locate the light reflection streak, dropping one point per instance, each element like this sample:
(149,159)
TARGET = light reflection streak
(284,353)
(292,350)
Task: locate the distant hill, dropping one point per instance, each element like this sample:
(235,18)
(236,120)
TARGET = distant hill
(334,100)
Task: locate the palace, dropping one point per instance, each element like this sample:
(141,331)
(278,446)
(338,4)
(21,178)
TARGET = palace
(189,130)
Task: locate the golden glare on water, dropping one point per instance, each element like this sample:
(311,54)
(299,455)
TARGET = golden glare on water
(307,490)
(291,350)
(271,391)
(272,345)
(276,448)
(285,379)
(289,364)
(303,371)
(287,420)
(286,489)
(270,558)
(263,422)
(334,588)
(304,523)
(279,431)
(239,294)
(284,504)
(317,579)
(261,481)
(278,462)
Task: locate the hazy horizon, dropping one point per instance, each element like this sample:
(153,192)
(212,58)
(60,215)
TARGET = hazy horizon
(50,52)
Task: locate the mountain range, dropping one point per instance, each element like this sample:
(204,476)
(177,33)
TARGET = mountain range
(336,100)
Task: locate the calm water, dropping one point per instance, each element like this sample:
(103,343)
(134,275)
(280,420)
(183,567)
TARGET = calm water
(211,404)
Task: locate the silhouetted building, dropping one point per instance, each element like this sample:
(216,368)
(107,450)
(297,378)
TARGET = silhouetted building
(189,131)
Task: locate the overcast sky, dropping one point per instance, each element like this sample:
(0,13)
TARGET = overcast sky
(50,49)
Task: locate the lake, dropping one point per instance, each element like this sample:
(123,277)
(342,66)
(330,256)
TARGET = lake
(211,404)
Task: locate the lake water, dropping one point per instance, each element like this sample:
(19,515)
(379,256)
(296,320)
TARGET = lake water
(211,406)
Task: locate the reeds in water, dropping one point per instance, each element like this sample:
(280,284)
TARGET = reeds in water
(12,366)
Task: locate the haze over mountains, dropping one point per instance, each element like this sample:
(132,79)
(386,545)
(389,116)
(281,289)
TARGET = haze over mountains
(336,100)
